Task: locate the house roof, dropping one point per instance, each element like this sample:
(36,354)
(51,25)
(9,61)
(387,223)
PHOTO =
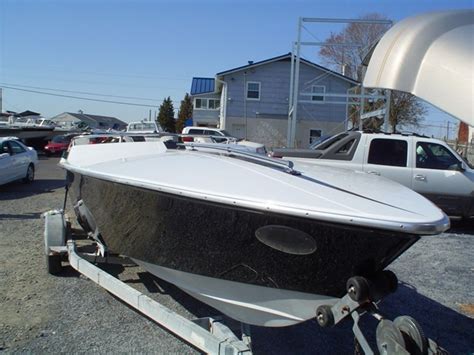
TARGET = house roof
(28,113)
(286,57)
(202,85)
(97,118)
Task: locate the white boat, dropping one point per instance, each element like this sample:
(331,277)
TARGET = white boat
(26,129)
(261,240)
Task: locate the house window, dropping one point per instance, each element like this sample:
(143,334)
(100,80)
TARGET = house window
(207,104)
(253,90)
(318,89)
(198,103)
(314,135)
(214,104)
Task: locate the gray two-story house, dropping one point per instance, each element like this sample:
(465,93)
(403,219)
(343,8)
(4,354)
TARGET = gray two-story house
(252,101)
(82,120)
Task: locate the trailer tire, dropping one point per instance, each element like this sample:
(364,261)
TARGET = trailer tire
(358,288)
(324,316)
(415,339)
(53,263)
(389,338)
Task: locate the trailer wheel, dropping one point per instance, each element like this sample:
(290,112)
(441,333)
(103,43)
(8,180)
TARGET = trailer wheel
(55,230)
(324,316)
(389,338)
(416,342)
(53,263)
(358,288)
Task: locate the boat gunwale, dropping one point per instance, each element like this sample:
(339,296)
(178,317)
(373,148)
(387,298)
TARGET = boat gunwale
(435,227)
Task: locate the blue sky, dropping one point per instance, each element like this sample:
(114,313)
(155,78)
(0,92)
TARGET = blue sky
(152,49)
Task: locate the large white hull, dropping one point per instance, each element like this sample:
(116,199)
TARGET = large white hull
(27,133)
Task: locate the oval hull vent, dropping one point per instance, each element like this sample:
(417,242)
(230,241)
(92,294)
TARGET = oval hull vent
(286,239)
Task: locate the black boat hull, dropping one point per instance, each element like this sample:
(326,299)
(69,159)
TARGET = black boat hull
(219,241)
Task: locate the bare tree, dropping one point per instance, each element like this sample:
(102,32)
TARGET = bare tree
(405,109)
(350,58)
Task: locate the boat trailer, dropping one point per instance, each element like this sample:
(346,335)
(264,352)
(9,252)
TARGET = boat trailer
(403,335)
(210,335)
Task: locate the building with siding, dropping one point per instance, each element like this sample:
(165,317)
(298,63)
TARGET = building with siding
(252,101)
(83,120)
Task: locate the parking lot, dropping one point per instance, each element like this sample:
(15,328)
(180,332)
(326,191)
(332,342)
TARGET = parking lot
(68,313)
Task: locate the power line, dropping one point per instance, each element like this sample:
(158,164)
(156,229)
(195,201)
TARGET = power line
(79,98)
(79,92)
(109,83)
(144,76)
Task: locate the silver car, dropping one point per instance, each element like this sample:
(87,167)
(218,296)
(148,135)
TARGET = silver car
(17,161)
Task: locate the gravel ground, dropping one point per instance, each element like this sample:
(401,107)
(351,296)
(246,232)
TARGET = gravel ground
(40,313)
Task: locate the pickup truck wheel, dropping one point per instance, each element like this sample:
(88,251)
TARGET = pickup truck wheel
(30,174)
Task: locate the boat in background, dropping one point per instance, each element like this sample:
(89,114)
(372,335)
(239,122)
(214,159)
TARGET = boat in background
(25,128)
(34,131)
(262,240)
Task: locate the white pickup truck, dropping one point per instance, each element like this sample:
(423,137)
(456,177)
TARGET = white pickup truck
(426,165)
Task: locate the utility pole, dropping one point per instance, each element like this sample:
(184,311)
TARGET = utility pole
(447,131)
(1,100)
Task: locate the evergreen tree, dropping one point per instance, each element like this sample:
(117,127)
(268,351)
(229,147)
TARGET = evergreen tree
(166,116)
(185,112)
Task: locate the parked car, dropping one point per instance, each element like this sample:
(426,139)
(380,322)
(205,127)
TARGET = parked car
(427,165)
(58,144)
(17,161)
(216,135)
(219,135)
